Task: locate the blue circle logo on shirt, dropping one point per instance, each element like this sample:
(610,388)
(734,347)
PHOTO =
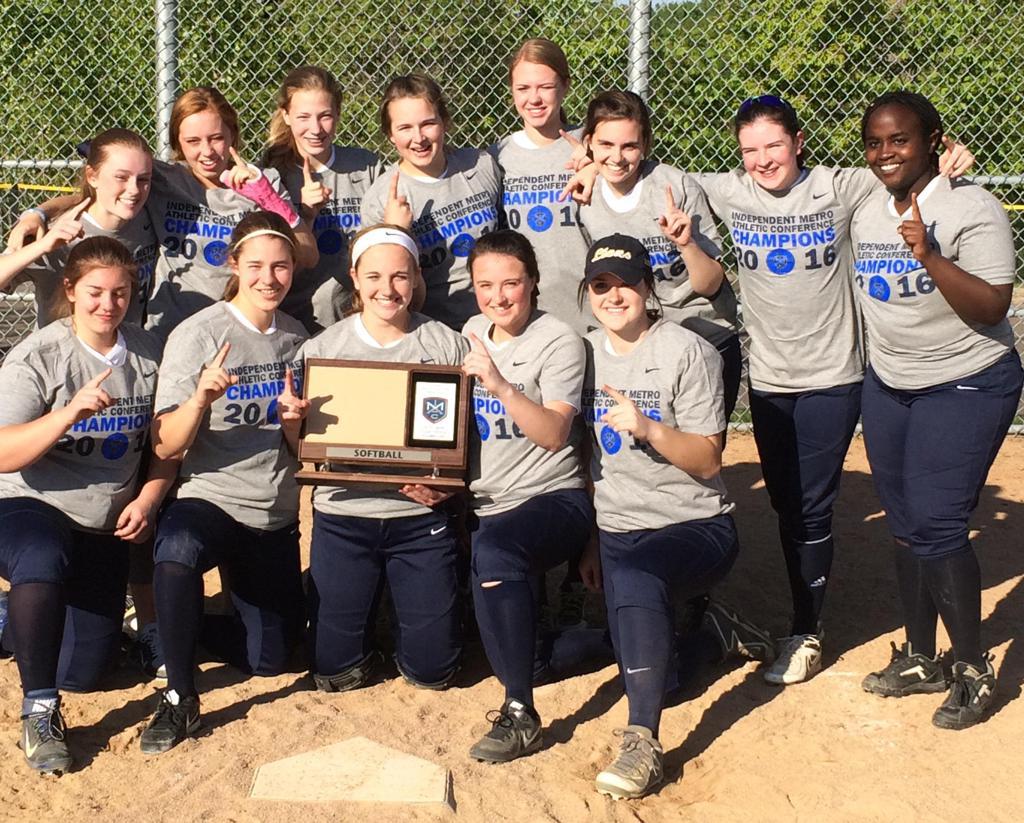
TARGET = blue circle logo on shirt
(539,218)
(483,427)
(216,253)
(878,288)
(115,447)
(611,441)
(463,245)
(780,261)
(330,242)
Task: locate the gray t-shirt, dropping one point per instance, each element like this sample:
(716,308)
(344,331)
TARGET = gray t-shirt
(239,459)
(449,215)
(532,178)
(793,260)
(675,377)
(427,341)
(193,225)
(47,273)
(90,474)
(546,363)
(316,293)
(637,215)
(915,340)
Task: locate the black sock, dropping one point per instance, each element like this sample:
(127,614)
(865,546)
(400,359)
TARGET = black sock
(955,583)
(178,591)
(919,613)
(808,564)
(645,640)
(35,614)
(506,615)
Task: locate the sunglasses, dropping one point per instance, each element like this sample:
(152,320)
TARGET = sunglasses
(769,100)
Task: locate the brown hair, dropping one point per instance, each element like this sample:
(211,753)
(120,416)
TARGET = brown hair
(620,105)
(281,151)
(194,101)
(355,305)
(252,222)
(654,312)
(413,85)
(511,244)
(543,52)
(98,147)
(94,253)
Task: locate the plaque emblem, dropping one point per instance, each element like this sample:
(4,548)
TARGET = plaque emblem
(435,409)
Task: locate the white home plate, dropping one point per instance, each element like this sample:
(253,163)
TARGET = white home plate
(357,770)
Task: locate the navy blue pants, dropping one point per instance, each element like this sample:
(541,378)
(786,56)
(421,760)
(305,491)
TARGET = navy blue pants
(643,573)
(40,544)
(262,568)
(930,451)
(732,371)
(350,560)
(511,549)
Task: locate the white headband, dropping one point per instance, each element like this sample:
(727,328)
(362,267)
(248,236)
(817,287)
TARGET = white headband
(266,233)
(384,236)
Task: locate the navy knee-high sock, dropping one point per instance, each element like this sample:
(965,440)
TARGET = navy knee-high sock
(36,619)
(955,583)
(919,613)
(645,649)
(808,564)
(507,619)
(178,591)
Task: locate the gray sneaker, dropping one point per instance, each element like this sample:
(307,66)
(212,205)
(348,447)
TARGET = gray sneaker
(516,731)
(43,739)
(637,770)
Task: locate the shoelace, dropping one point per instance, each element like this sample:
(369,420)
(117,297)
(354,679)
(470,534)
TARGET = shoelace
(497,717)
(635,753)
(48,725)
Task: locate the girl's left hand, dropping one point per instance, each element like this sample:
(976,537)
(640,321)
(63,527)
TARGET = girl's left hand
(425,495)
(291,407)
(624,416)
(590,565)
(314,193)
(580,155)
(478,364)
(135,522)
(915,233)
(675,223)
(240,173)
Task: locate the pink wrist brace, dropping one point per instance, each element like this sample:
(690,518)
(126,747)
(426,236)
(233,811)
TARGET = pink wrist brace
(263,195)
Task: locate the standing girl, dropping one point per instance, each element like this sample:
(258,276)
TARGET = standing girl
(653,398)
(526,478)
(403,535)
(535,165)
(935,269)
(78,398)
(234,425)
(449,197)
(326,180)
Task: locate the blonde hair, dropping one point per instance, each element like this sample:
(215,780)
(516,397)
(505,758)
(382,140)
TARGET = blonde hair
(194,101)
(90,254)
(281,151)
(355,305)
(255,221)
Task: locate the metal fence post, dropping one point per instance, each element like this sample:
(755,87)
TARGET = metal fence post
(166,71)
(639,46)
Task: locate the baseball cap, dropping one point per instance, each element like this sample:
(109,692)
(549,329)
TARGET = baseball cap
(625,257)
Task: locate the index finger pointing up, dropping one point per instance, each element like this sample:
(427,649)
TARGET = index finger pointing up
(393,192)
(76,210)
(616,395)
(218,361)
(99,378)
(307,172)
(670,200)
(915,209)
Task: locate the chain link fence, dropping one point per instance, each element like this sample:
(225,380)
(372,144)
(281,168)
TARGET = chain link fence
(75,67)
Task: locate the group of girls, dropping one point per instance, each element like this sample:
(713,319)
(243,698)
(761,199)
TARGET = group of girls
(647,392)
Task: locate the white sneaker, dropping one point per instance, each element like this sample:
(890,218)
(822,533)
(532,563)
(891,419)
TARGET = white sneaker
(799,660)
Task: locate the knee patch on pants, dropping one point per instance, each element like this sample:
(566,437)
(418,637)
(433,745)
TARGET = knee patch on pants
(354,677)
(439,684)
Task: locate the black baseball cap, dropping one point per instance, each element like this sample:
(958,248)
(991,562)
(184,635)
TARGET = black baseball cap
(625,257)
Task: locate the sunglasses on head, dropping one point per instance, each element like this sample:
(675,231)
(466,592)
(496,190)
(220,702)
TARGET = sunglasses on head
(769,100)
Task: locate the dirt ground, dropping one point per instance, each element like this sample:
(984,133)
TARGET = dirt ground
(740,750)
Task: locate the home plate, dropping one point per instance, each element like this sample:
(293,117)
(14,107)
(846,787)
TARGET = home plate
(357,770)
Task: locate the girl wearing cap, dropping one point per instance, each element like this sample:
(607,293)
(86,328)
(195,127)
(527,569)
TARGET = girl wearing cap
(403,535)
(934,272)
(233,423)
(536,164)
(78,398)
(447,197)
(653,400)
(526,478)
(635,195)
(328,182)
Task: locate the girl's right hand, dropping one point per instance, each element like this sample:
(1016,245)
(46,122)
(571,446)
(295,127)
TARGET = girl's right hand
(397,210)
(590,565)
(581,186)
(90,399)
(314,193)
(580,155)
(28,229)
(214,380)
(67,227)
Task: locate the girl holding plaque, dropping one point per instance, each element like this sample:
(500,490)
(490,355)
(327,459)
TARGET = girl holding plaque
(404,535)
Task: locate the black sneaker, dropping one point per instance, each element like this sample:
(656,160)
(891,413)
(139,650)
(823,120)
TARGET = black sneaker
(737,636)
(172,722)
(970,696)
(149,652)
(516,731)
(907,673)
(43,739)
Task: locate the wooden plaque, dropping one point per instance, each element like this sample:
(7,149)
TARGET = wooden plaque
(410,420)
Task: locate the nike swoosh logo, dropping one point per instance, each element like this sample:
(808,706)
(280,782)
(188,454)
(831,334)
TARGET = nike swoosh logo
(518,363)
(637,671)
(652,368)
(818,196)
(426,360)
(28,748)
(968,388)
(438,531)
